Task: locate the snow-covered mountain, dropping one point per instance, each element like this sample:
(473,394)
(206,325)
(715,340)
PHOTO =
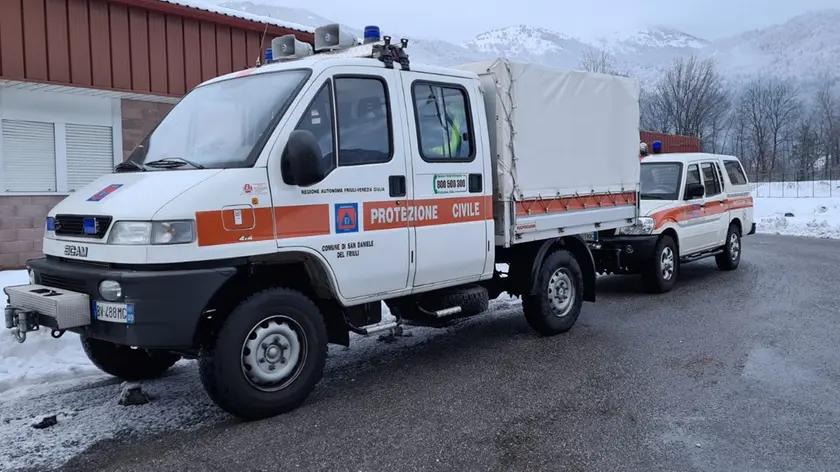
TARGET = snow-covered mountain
(803,48)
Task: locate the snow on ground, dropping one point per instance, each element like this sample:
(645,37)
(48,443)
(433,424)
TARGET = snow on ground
(801,189)
(812,217)
(46,376)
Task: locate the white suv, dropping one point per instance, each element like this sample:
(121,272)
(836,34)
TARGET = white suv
(693,206)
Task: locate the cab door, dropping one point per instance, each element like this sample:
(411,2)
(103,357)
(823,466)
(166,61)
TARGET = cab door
(716,216)
(352,217)
(452,207)
(690,221)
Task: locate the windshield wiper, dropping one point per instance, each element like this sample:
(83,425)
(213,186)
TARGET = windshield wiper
(173,162)
(128,165)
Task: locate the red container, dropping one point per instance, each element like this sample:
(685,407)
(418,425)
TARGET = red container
(671,142)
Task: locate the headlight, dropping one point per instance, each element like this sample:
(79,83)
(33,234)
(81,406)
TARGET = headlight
(49,230)
(643,225)
(152,232)
(110,290)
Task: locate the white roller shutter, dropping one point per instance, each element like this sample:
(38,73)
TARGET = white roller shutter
(90,154)
(28,156)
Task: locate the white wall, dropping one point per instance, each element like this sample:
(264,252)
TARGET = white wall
(60,109)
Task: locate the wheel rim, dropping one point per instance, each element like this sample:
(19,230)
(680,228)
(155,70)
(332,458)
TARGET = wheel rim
(666,263)
(734,246)
(561,293)
(274,353)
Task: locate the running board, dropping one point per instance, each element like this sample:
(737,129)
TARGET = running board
(702,255)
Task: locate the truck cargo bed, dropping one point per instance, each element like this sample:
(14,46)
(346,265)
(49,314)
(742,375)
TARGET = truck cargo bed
(565,146)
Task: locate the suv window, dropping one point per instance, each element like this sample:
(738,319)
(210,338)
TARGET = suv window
(444,127)
(735,172)
(710,179)
(364,122)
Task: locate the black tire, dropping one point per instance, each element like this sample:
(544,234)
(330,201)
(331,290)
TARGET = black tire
(730,258)
(126,363)
(544,316)
(473,300)
(266,318)
(655,277)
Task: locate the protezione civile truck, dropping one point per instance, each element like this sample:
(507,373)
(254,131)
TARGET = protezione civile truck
(273,210)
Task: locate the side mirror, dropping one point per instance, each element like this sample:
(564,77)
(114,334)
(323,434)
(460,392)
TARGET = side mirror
(302,161)
(693,191)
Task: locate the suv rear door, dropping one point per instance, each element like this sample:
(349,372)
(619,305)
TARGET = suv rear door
(716,215)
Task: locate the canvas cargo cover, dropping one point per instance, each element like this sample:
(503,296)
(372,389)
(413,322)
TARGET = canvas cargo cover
(559,132)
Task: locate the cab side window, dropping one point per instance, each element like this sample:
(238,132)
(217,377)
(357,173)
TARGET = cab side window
(711,180)
(444,125)
(692,176)
(318,119)
(364,121)
(735,172)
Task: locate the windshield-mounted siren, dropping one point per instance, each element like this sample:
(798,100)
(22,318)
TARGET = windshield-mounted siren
(332,37)
(288,47)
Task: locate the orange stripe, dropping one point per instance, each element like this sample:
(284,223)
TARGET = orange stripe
(302,220)
(580,202)
(219,226)
(391,214)
(689,212)
(216,227)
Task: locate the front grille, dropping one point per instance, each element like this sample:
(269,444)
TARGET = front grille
(64,283)
(82,226)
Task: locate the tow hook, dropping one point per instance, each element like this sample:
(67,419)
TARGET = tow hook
(57,333)
(21,322)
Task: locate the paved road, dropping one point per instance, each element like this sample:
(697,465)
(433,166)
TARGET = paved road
(731,371)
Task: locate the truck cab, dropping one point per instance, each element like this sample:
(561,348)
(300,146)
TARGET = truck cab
(692,206)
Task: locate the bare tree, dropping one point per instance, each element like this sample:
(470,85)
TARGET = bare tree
(596,60)
(691,99)
(828,108)
(770,109)
(805,151)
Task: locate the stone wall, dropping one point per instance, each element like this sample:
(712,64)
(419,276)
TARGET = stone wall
(22,221)
(138,118)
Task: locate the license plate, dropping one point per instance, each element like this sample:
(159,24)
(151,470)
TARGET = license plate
(114,312)
(591,237)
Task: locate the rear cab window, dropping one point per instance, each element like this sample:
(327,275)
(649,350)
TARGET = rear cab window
(735,172)
(711,179)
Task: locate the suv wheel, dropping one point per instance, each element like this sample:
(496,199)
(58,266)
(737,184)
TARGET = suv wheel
(659,276)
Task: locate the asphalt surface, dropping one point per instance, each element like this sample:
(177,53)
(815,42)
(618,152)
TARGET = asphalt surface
(736,371)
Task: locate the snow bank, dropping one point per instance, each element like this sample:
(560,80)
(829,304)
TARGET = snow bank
(812,217)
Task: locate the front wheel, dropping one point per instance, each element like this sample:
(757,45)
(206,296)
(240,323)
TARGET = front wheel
(730,258)
(268,356)
(661,273)
(555,307)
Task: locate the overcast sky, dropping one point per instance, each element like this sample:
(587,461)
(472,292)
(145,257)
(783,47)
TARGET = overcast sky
(461,20)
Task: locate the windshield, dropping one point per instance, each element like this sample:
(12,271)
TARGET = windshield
(661,181)
(224,124)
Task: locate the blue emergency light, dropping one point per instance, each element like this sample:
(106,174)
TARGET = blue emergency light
(657,146)
(50,223)
(372,34)
(89,225)
(268,55)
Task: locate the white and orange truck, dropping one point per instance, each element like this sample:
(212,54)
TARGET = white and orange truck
(274,209)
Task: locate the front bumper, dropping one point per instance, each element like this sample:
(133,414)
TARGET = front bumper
(167,304)
(621,253)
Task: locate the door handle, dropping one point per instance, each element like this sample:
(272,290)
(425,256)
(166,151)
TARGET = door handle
(396,185)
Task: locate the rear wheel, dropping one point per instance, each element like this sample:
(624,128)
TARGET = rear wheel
(661,273)
(127,363)
(555,307)
(730,258)
(268,356)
